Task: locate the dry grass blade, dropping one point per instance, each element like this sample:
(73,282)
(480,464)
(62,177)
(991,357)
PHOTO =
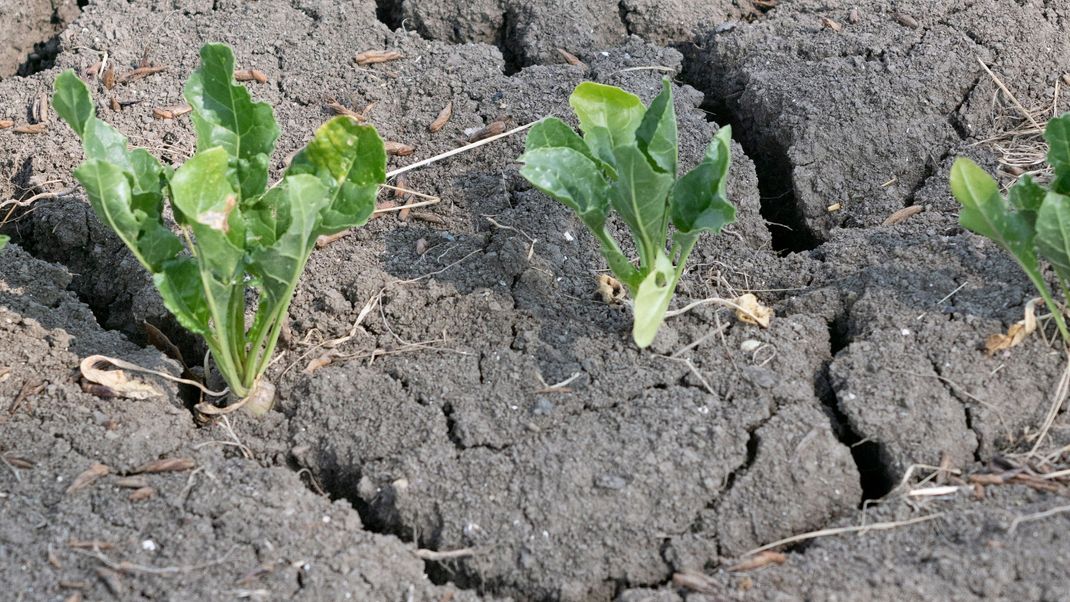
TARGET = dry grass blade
(1039,515)
(457,151)
(844,530)
(1061,391)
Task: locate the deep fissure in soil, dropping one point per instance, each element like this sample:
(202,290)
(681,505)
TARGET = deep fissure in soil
(779,208)
(874,473)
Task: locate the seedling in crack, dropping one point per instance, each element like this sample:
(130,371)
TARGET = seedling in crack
(626,163)
(235,233)
(1032,222)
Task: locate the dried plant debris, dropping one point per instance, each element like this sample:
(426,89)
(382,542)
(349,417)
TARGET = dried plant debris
(88,477)
(443,117)
(251,75)
(171,112)
(570,58)
(492,129)
(610,290)
(371,57)
(140,73)
(398,149)
(750,311)
(117,381)
(166,465)
(902,215)
(1017,331)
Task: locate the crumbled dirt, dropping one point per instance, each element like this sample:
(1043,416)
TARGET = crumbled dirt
(437,427)
(27,42)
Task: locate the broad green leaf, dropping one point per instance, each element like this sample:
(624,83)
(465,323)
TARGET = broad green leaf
(111,198)
(278,267)
(699,201)
(225,115)
(640,196)
(986,213)
(350,160)
(1057,134)
(3,240)
(1053,232)
(72,101)
(570,177)
(552,132)
(657,132)
(262,218)
(608,117)
(652,300)
(1026,196)
(182,290)
(203,192)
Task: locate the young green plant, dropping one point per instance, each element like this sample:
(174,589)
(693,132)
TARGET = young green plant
(626,163)
(234,232)
(1032,222)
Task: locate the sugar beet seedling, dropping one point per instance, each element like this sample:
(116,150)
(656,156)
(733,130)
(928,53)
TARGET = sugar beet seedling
(1031,222)
(236,232)
(626,162)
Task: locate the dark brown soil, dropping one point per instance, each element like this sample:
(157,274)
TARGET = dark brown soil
(433,428)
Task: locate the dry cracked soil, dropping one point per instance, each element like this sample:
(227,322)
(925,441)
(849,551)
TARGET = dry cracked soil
(428,457)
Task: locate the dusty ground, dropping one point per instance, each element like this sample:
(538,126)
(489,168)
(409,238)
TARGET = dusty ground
(432,431)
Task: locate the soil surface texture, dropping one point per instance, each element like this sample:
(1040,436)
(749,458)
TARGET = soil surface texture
(435,454)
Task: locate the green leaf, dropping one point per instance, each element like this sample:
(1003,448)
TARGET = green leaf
(279,266)
(72,101)
(574,179)
(3,240)
(570,177)
(111,197)
(986,213)
(608,117)
(699,200)
(652,300)
(640,196)
(1026,197)
(350,160)
(205,195)
(225,115)
(1053,232)
(551,132)
(182,290)
(1057,134)
(657,132)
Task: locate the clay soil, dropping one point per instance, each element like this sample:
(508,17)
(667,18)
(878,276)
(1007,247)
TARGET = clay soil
(429,457)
